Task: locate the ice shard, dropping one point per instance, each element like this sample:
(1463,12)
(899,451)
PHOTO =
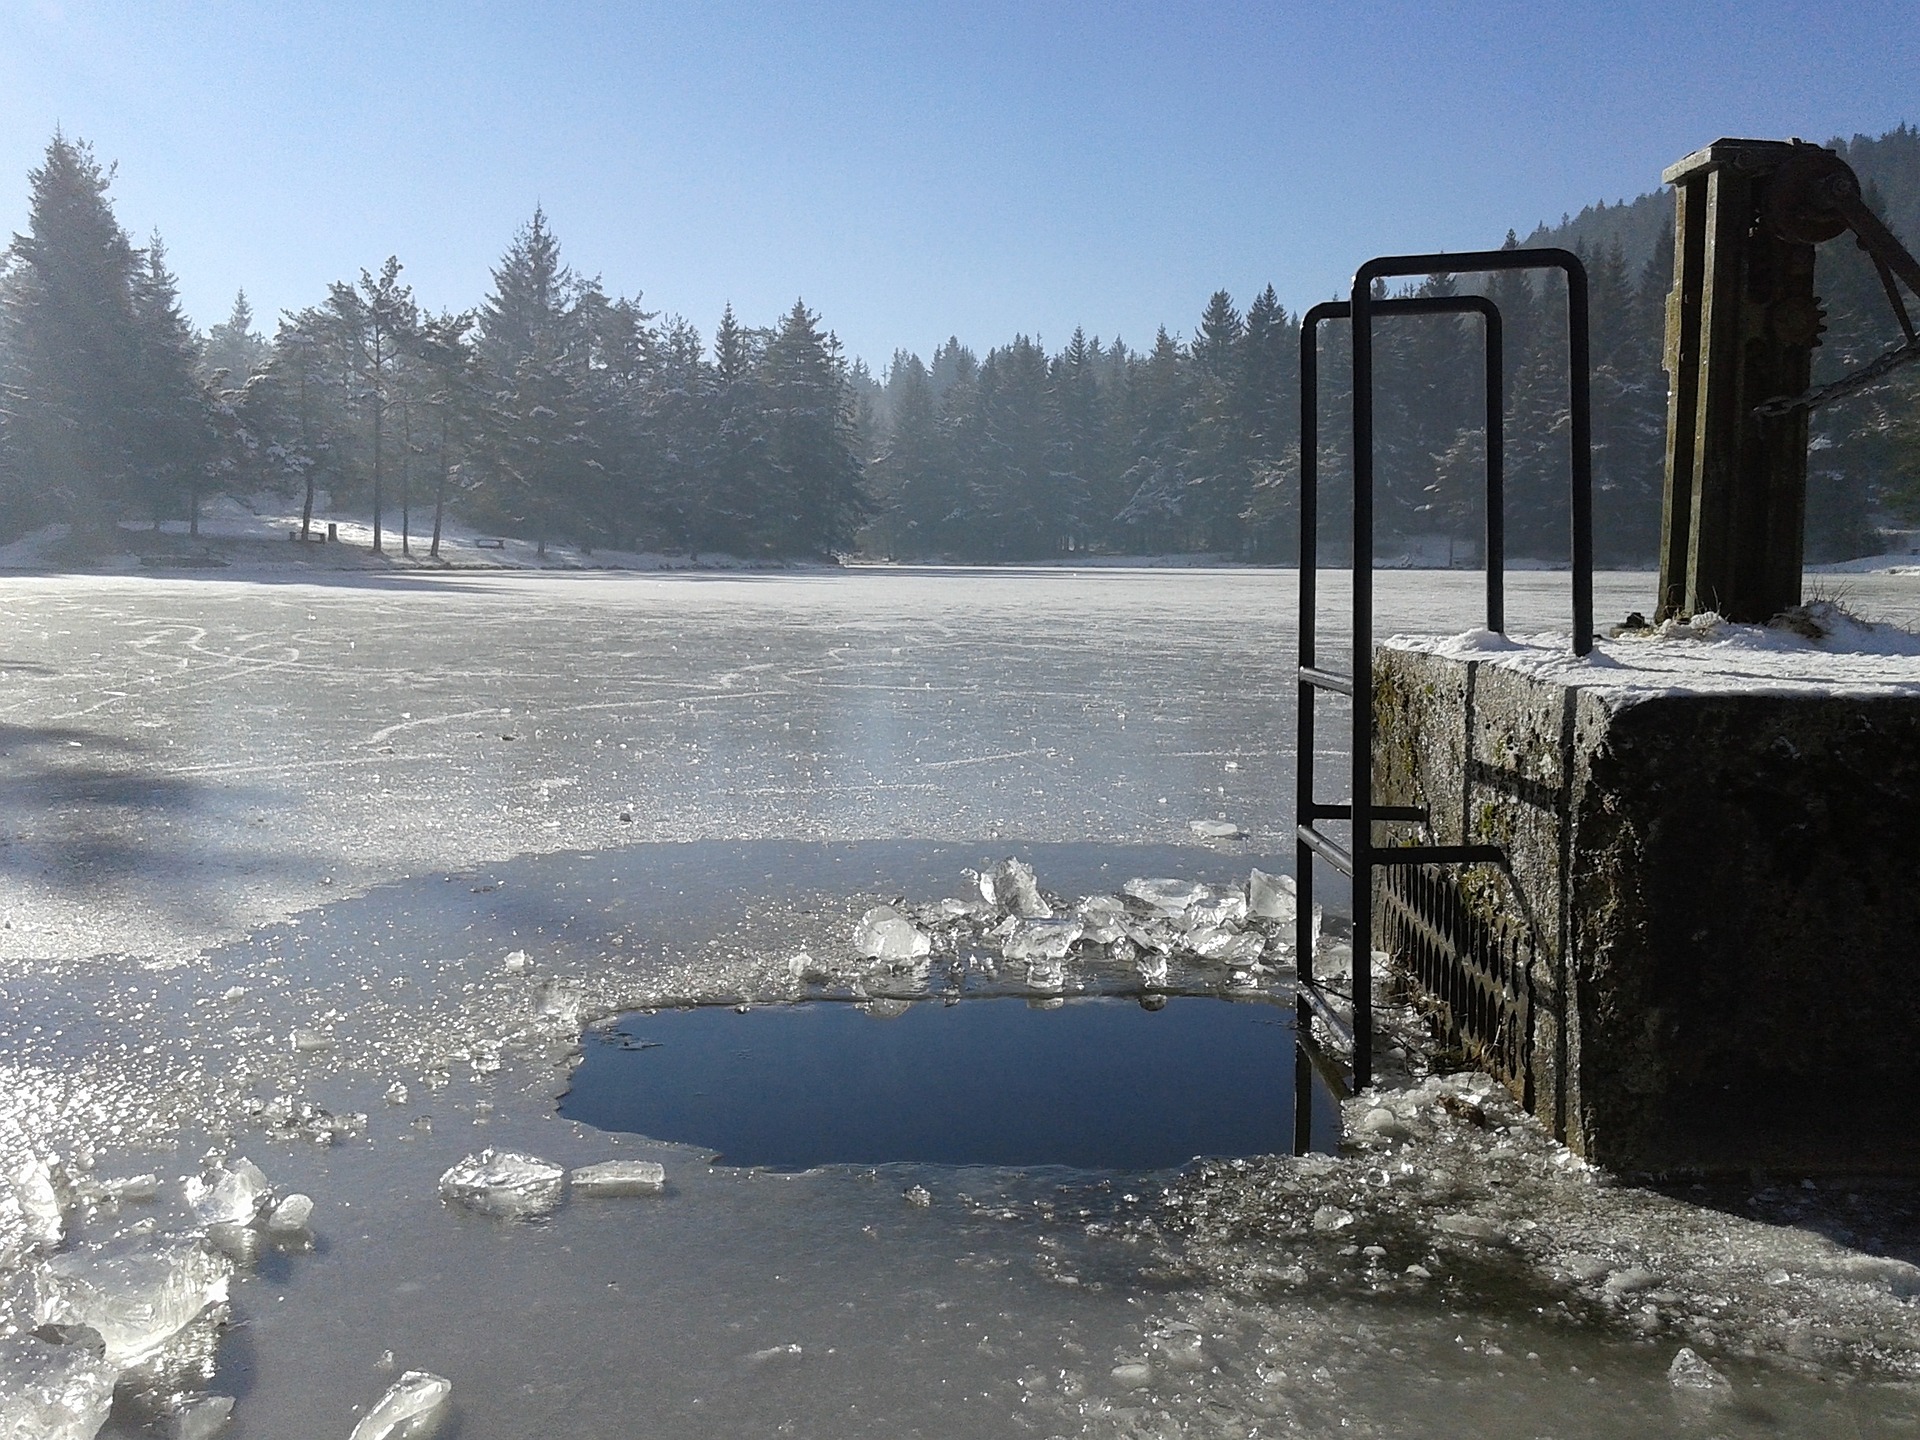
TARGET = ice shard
(504,1182)
(410,1407)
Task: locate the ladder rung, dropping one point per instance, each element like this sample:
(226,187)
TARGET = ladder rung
(1334,854)
(1327,679)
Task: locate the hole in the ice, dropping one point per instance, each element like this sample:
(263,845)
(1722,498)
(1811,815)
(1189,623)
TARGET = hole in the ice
(1091,1083)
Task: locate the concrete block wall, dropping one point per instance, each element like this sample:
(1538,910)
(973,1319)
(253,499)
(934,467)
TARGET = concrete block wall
(1724,890)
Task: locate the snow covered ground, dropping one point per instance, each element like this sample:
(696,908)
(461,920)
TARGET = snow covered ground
(326,871)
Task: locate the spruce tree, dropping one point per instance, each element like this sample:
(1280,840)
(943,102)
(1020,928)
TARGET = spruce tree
(370,327)
(816,498)
(70,352)
(176,435)
(535,345)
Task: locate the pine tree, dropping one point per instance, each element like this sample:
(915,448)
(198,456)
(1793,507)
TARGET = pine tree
(816,500)
(535,344)
(1218,477)
(1156,473)
(370,328)
(915,503)
(70,348)
(234,347)
(176,423)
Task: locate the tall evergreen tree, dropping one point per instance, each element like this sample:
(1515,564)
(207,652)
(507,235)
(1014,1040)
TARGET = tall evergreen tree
(71,352)
(816,498)
(535,344)
(177,434)
(370,327)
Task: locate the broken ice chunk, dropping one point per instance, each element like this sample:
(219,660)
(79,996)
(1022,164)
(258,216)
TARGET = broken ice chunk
(884,933)
(1229,910)
(406,1409)
(52,1392)
(32,1186)
(1690,1373)
(619,1177)
(1168,897)
(803,967)
(1042,940)
(1016,889)
(138,1298)
(290,1216)
(516,961)
(1215,829)
(504,1182)
(559,1001)
(229,1196)
(1271,897)
(200,1418)
(133,1187)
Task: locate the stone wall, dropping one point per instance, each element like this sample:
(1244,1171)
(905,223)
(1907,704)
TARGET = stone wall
(1724,890)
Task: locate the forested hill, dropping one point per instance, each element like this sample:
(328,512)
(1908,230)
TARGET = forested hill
(552,408)
(1888,166)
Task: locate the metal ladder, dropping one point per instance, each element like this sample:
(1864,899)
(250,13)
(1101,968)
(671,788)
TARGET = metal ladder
(1361,857)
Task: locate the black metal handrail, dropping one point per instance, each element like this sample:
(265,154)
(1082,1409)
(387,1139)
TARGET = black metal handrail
(1361,856)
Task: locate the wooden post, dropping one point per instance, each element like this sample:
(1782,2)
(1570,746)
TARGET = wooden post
(1742,323)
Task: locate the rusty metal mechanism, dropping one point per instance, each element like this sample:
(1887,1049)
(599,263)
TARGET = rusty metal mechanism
(1742,325)
(1815,197)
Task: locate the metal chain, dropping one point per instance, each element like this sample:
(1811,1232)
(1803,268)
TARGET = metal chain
(1870,373)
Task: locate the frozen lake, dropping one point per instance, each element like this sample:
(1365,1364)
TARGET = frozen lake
(278,855)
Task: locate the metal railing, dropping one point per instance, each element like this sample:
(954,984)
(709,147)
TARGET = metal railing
(1361,856)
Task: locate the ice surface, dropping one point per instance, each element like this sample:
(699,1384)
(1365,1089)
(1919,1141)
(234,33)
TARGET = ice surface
(52,1392)
(410,1406)
(504,1182)
(884,933)
(232,1194)
(857,709)
(139,1295)
(619,1177)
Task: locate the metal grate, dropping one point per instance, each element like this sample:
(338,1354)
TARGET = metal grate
(1472,974)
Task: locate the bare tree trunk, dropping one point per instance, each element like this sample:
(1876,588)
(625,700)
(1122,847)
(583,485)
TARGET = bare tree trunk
(440,490)
(406,478)
(378,415)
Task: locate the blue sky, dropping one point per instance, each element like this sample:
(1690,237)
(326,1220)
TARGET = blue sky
(912,171)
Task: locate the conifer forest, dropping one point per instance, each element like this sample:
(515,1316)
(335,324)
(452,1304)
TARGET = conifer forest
(563,413)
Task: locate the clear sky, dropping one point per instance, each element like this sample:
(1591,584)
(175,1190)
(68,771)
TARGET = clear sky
(911,170)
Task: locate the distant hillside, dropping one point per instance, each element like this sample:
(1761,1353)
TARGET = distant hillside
(1889,163)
